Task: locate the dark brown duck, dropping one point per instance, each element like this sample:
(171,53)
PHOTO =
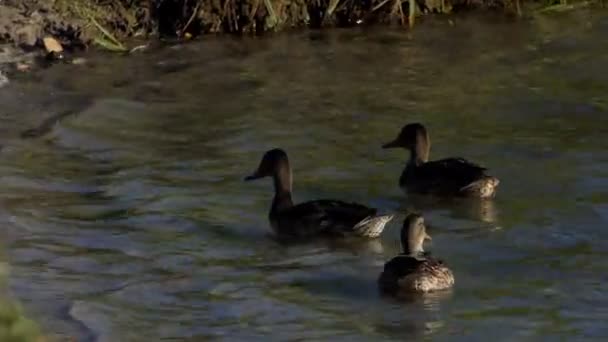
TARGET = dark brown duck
(445,177)
(414,270)
(319,217)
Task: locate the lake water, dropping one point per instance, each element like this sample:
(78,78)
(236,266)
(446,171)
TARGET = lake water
(128,219)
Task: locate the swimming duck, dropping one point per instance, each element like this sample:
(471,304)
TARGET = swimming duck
(414,270)
(320,217)
(448,177)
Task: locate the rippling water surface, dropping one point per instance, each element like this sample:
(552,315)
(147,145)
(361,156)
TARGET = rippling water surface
(128,219)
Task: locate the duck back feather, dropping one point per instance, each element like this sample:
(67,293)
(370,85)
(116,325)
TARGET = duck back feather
(331,217)
(450,176)
(406,273)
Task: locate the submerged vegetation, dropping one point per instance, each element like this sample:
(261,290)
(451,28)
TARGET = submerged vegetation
(14,326)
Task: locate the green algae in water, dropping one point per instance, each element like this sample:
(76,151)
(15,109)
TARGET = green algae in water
(14,327)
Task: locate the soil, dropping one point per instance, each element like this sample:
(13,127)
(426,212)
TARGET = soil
(75,24)
(24,24)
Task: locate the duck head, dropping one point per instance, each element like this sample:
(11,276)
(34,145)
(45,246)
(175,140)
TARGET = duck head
(415,138)
(274,164)
(413,234)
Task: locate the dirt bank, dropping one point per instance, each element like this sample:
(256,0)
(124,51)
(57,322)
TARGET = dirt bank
(77,24)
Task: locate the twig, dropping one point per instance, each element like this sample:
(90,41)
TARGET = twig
(225,10)
(107,34)
(270,9)
(394,10)
(412,14)
(194,12)
(111,43)
(331,8)
(254,10)
(398,8)
(380,5)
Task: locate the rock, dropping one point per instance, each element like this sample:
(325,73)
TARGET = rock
(3,79)
(13,58)
(52,45)
(20,66)
(142,47)
(53,48)
(79,61)
(27,35)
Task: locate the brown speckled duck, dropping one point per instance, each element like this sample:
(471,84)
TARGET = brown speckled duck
(414,270)
(320,217)
(444,177)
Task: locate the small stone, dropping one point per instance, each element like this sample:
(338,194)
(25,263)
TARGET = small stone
(52,45)
(3,80)
(20,66)
(142,47)
(79,61)
(27,36)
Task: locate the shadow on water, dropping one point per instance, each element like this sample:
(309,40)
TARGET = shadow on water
(353,245)
(483,210)
(421,314)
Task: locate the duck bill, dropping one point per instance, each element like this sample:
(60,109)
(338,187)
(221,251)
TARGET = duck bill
(253,176)
(392,144)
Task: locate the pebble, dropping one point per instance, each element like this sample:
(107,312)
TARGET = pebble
(79,61)
(20,66)
(3,79)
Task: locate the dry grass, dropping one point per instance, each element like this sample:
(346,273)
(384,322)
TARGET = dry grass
(106,21)
(110,22)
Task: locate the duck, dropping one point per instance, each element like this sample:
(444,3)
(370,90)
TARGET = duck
(414,270)
(327,217)
(451,177)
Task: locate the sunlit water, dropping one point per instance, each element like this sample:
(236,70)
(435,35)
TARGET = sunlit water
(129,220)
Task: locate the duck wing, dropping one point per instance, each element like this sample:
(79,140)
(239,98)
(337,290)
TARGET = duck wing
(403,265)
(451,174)
(395,269)
(329,216)
(405,272)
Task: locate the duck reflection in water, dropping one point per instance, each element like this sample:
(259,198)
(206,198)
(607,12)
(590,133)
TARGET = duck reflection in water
(484,210)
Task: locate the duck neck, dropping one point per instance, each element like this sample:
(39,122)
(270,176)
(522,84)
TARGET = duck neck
(413,251)
(410,247)
(419,154)
(282,189)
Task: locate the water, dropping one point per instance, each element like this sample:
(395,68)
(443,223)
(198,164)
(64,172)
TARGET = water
(129,220)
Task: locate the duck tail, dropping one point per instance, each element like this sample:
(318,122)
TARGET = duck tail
(372,226)
(484,187)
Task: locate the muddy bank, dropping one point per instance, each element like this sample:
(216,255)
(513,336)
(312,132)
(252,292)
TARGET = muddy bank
(78,24)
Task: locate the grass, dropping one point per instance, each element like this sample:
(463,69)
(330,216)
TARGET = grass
(108,23)
(14,326)
(104,21)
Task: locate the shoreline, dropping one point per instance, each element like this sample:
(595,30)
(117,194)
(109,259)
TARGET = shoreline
(75,26)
